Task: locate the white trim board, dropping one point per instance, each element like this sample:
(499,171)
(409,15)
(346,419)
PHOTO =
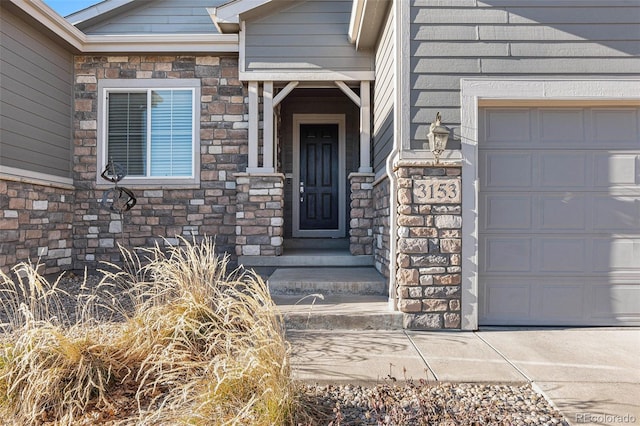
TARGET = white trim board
(305,75)
(340,120)
(35,178)
(473,92)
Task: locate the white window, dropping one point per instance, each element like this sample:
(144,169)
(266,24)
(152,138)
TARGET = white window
(150,127)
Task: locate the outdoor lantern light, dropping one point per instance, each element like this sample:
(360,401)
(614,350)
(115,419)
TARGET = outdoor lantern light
(438,137)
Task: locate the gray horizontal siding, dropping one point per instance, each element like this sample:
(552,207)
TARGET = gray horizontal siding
(383,97)
(36,77)
(453,39)
(311,35)
(159,17)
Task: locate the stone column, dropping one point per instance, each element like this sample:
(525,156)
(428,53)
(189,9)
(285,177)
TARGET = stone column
(429,246)
(259,214)
(362,213)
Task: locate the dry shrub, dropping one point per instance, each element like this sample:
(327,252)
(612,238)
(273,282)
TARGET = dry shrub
(49,369)
(194,344)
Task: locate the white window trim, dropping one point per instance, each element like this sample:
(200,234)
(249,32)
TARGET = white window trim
(105,86)
(475,92)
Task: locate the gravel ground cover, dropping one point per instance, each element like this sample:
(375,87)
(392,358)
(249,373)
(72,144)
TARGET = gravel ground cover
(401,403)
(420,403)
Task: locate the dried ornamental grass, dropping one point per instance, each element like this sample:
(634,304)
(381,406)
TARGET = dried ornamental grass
(194,345)
(47,367)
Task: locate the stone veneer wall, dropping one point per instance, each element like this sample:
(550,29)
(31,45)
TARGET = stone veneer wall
(36,225)
(381,230)
(259,214)
(429,248)
(204,209)
(362,213)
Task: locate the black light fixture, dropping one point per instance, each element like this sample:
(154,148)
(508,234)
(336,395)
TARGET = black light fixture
(438,137)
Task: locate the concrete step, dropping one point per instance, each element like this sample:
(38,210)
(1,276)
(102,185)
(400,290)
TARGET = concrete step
(337,312)
(307,257)
(305,281)
(314,243)
(329,298)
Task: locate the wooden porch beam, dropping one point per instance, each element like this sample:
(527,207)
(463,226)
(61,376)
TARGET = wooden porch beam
(365,127)
(347,91)
(253,126)
(268,140)
(284,92)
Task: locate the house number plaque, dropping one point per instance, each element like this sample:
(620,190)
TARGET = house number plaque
(436,191)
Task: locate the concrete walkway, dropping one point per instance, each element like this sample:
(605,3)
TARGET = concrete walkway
(592,375)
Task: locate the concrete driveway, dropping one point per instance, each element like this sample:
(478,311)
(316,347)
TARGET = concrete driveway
(592,375)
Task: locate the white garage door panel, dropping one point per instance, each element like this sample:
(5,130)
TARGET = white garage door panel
(508,170)
(566,125)
(562,212)
(559,221)
(562,255)
(506,211)
(616,169)
(512,126)
(615,298)
(612,213)
(616,255)
(507,299)
(565,168)
(560,302)
(617,126)
(506,254)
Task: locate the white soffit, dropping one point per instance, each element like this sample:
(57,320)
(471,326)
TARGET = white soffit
(367,19)
(226,18)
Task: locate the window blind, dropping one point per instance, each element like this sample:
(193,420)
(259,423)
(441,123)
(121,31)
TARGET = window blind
(171,132)
(127,131)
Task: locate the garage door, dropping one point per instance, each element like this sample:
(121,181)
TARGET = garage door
(559,218)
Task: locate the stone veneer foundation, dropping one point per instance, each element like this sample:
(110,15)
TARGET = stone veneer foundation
(362,214)
(381,237)
(207,208)
(36,225)
(259,214)
(429,247)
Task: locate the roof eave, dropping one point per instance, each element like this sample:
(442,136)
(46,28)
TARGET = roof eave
(96,10)
(159,43)
(226,18)
(367,19)
(126,43)
(41,12)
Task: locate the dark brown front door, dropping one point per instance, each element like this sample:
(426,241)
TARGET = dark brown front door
(319,176)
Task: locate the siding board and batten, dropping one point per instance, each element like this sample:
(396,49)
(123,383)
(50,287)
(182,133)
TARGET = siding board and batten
(455,39)
(36,79)
(310,36)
